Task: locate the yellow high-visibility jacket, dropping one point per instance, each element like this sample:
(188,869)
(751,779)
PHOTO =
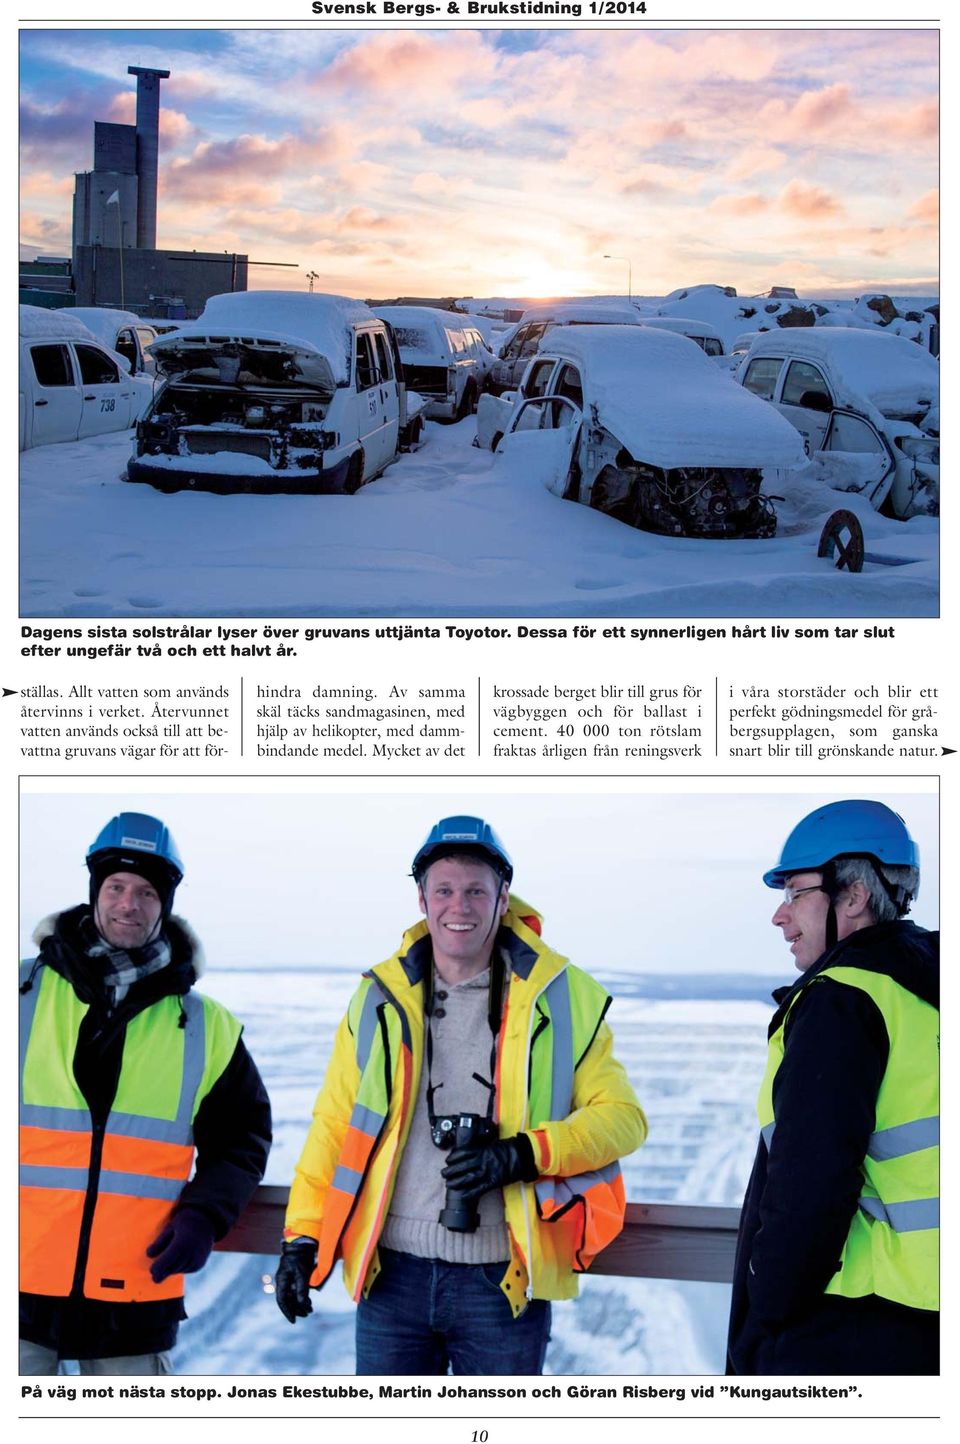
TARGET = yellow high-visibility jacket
(579,1110)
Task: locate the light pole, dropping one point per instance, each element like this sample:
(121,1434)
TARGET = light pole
(114,200)
(629,273)
(311,277)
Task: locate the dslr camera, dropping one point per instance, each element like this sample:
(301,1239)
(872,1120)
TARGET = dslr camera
(461,1130)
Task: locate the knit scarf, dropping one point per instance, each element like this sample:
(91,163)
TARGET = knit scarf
(121,969)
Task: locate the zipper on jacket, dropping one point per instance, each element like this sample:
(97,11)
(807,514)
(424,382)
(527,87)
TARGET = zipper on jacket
(89,1206)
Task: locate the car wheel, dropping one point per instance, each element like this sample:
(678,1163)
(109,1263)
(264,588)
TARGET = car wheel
(613,493)
(354,479)
(468,401)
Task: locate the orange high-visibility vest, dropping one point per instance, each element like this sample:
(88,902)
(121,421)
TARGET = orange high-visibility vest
(106,1192)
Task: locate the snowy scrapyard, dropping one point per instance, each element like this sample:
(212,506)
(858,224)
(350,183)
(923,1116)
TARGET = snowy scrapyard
(447,531)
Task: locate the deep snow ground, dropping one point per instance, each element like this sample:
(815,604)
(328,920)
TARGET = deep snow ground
(447,531)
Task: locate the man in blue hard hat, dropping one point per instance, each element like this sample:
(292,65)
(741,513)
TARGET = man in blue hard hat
(463,1156)
(127,1077)
(837,1260)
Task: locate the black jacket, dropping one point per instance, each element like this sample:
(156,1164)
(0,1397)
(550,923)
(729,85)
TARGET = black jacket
(802,1197)
(232,1134)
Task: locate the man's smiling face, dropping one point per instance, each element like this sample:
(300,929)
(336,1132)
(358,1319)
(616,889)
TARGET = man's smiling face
(128,910)
(802,917)
(463,901)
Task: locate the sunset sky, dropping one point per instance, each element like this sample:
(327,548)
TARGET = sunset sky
(509,162)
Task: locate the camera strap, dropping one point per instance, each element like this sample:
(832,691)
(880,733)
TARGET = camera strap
(494,1019)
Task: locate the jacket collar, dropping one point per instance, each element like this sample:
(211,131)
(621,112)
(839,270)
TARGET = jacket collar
(63,940)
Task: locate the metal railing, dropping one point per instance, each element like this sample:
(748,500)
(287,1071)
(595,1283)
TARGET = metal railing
(659,1240)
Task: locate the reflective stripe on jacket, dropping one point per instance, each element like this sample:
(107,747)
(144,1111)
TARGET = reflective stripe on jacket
(892,1248)
(108,1191)
(580,1112)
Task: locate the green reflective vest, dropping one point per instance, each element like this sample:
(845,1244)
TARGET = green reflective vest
(892,1248)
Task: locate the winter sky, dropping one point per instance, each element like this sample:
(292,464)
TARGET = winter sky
(510,162)
(657,878)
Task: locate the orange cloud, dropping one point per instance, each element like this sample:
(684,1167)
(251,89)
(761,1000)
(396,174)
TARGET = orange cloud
(413,64)
(810,203)
(922,121)
(756,160)
(926,210)
(745,205)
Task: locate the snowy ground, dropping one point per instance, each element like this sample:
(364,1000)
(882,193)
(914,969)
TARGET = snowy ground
(696,1067)
(447,531)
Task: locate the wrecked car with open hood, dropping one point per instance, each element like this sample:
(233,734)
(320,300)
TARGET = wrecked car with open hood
(276,392)
(643,425)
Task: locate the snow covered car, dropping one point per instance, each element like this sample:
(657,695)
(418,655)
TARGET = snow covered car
(71,386)
(445,359)
(707,337)
(645,427)
(522,342)
(123,332)
(275,391)
(866,405)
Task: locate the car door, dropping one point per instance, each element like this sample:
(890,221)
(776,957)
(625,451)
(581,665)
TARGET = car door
(806,400)
(54,395)
(389,395)
(372,419)
(555,413)
(106,392)
(855,456)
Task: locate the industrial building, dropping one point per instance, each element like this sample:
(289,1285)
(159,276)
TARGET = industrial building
(115,259)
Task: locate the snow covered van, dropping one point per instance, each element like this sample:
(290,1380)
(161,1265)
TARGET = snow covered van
(866,404)
(445,358)
(638,423)
(275,391)
(71,386)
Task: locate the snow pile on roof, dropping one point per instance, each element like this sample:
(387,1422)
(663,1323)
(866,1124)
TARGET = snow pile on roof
(105,322)
(590,310)
(418,327)
(669,404)
(318,322)
(39,324)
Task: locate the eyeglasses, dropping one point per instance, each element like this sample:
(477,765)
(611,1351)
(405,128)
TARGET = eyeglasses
(790,894)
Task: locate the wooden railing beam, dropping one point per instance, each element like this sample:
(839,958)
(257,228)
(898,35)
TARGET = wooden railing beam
(659,1240)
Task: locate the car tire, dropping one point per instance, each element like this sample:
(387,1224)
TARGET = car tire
(468,402)
(354,479)
(603,496)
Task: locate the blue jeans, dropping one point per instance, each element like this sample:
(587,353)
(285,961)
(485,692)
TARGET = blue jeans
(424,1316)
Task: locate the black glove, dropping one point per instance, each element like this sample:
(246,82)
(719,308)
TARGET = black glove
(298,1259)
(474,1171)
(182,1246)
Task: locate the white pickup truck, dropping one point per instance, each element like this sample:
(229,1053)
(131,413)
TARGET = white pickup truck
(71,386)
(276,391)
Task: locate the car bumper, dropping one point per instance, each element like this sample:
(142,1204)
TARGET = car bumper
(157,472)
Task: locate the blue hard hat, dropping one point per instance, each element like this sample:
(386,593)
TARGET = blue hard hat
(845,829)
(469,835)
(136,842)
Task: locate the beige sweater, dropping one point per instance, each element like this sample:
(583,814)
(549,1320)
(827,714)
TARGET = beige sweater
(462,1045)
